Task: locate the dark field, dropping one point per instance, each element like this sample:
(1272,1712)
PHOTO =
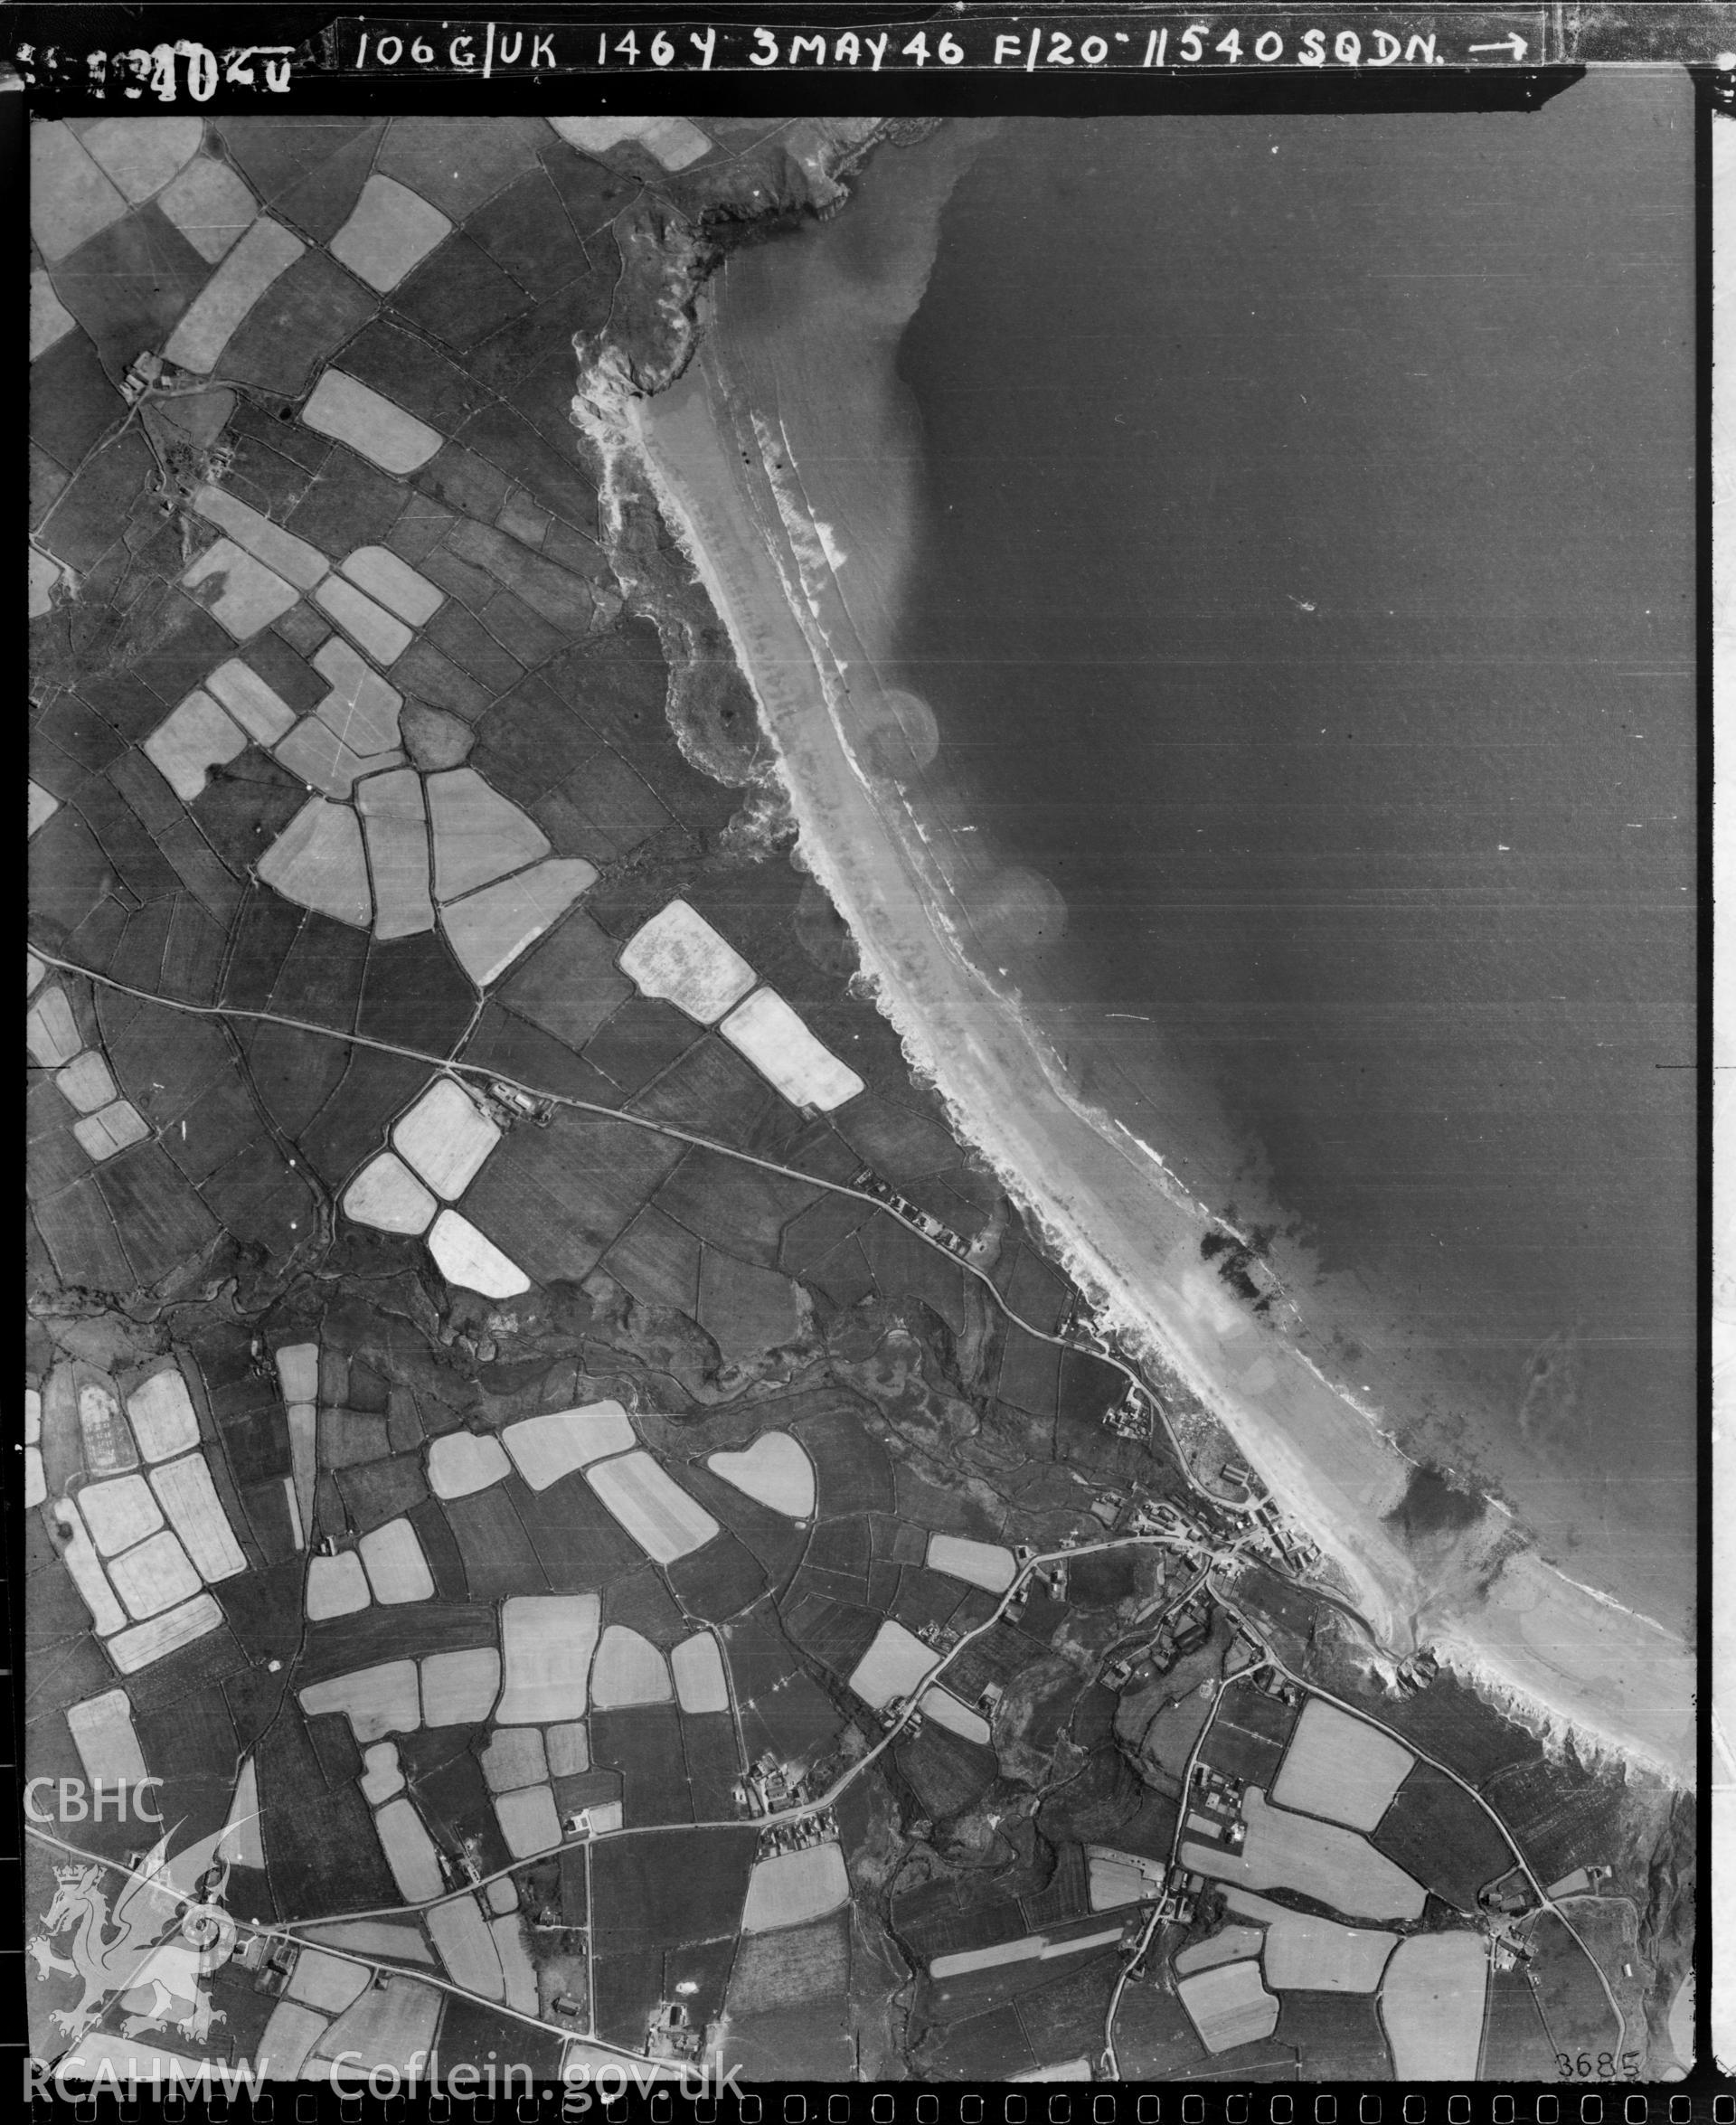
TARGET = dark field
(1439,1836)
(1335,2035)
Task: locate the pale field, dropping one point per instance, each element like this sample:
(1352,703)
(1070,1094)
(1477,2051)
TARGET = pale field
(547,1448)
(390,231)
(103,1735)
(381,634)
(463,1942)
(85,1082)
(1340,1767)
(361,708)
(261,712)
(701,1684)
(459,1462)
(514,1757)
(162,1416)
(548,1640)
(289,2036)
(317,861)
(1314,1954)
(792,1887)
(396,1568)
(78,1554)
(251,596)
(337,1586)
(195,738)
(1116,1882)
(50,1031)
(948,1711)
(155,1576)
(241,1841)
(304,1463)
(1229,2005)
(459,1688)
(774,1469)
(569,1748)
(111,1129)
(393,583)
(315,753)
(408,1850)
(780,1047)
(349,412)
(529,1820)
(325,1981)
(490,929)
(1334,1865)
(479,836)
(628,1669)
(382,1774)
(388,2025)
(118,1513)
(654,1510)
(1431,2006)
(892,1666)
(297,1372)
(679,957)
(286,555)
(132,1649)
(961,1961)
(987,1565)
(265,250)
(516,1967)
(187,1495)
(676,142)
(377,1701)
(464,1256)
(1230,1944)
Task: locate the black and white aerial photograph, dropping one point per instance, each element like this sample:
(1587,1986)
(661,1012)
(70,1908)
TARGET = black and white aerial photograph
(871,1220)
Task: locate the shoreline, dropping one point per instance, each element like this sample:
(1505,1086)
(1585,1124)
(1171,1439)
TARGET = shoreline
(1583,1663)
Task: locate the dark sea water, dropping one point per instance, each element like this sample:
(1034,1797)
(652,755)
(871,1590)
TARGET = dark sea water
(1304,587)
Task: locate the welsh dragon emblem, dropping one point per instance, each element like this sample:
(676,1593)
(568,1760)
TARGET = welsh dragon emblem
(153,1953)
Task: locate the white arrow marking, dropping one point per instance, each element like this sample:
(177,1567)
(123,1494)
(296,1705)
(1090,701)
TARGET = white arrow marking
(1516,43)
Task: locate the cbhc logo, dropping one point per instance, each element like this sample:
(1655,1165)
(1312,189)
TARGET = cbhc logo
(74,1801)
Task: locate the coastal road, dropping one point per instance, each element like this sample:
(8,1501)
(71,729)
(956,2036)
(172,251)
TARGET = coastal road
(1241,1507)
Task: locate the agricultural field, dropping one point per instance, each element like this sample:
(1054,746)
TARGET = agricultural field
(538,1434)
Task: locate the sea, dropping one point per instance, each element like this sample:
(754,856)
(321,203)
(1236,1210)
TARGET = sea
(1280,536)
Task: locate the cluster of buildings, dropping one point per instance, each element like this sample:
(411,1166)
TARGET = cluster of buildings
(1131,1417)
(272,1957)
(1176,1637)
(867,1182)
(507,1104)
(767,1785)
(465,1865)
(821,1828)
(1271,1534)
(673,2034)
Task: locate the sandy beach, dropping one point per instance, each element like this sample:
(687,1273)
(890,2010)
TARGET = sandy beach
(1562,1655)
